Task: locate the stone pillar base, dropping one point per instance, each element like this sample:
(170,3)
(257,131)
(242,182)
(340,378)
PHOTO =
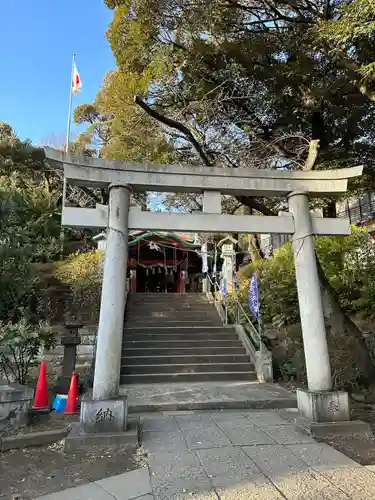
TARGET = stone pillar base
(103,423)
(327,413)
(100,416)
(323,406)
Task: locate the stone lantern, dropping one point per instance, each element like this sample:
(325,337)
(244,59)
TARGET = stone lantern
(228,255)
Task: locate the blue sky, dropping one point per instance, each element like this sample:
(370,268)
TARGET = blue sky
(37,40)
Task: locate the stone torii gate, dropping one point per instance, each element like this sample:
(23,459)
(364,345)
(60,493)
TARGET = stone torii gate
(317,404)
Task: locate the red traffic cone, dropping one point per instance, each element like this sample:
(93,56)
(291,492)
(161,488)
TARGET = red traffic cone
(41,392)
(71,404)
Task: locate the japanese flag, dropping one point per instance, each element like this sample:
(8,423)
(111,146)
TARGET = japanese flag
(76,83)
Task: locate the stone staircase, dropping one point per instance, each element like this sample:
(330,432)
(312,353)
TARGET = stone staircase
(179,338)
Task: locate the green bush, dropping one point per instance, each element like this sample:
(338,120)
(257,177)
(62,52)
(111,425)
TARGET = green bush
(18,285)
(83,273)
(347,261)
(277,287)
(20,345)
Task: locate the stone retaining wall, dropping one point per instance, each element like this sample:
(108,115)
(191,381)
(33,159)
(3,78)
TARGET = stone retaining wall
(85,352)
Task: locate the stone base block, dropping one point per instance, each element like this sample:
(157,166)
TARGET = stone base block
(263,365)
(78,441)
(15,402)
(106,416)
(323,406)
(322,430)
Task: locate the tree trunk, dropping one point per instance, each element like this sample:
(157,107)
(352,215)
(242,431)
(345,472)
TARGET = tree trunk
(253,248)
(253,240)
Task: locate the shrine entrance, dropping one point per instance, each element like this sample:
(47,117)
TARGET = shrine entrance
(159,280)
(118,217)
(161,262)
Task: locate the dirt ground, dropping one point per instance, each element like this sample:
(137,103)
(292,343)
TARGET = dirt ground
(358,447)
(42,423)
(31,472)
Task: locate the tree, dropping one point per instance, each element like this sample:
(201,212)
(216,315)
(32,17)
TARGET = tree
(248,83)
(117,128)
(248,80)
(30,220)
(348,40)
(98,134)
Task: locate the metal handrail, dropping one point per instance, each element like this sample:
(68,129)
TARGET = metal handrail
(240,311)
(253,331)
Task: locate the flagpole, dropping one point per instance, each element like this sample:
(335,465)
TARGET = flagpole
(70,107)
(67,141)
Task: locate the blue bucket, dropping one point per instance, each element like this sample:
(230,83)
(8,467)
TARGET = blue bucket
(60,403)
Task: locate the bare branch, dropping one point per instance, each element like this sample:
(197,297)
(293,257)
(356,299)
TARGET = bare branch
(255,205)
(176,125)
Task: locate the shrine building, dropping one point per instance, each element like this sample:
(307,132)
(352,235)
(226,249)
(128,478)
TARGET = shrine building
(161,262)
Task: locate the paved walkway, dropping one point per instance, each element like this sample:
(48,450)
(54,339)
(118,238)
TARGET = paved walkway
(231,455)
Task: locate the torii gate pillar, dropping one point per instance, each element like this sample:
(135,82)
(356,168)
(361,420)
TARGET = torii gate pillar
(319,403)
(106,410)
(112,309)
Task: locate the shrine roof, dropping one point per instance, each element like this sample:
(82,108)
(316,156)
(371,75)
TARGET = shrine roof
(184,239)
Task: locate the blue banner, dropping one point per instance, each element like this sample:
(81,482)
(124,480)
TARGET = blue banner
(224,287)
(254,297)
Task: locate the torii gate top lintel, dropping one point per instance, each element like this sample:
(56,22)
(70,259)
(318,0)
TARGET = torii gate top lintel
(96,172)
(212,182)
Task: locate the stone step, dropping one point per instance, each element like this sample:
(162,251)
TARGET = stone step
(168,299)
(191,337)
(171,303)
(165,310)
(165,313)
(176,344)
(167,296)
(137,330)
(179,338)
(186,359)
(186,368)
(189,317)
(135,295)
(174,324)
(145,351)
(156,378)
(172,306)
(175,316)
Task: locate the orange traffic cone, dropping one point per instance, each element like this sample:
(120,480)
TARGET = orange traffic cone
(41,392)
(71,404)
